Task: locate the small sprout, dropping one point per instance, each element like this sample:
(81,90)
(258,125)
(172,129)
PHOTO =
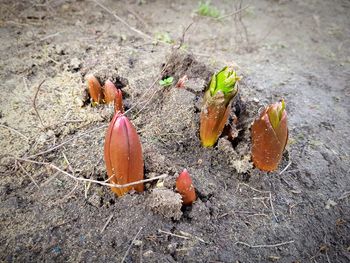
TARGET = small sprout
(164,37)
(123,155)
(166,82)
(185,187)
(95,89)
(118,102)
(206,9)
(217,105)
(181,82)
(269,137)
(109,91)
(105,94)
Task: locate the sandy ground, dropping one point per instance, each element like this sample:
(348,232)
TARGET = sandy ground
(296,50)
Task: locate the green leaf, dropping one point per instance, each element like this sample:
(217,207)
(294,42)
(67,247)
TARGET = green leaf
(275,113)
(225,81)
(166,82)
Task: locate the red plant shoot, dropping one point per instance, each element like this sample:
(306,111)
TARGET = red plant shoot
(269,137)
(123,155)
(185,187)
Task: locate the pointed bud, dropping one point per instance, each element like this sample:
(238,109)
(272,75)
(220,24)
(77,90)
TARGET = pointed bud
(109,91)
(216,105)
(185,187)
(95,89)
(269,137)
(123,155)
(118,101)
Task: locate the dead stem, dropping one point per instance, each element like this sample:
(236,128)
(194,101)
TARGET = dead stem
(15,131)
(233,13)
(265,245)
(146,92)
(263,192)
(31,178)
(273,209)
(106,224)
(65,142)
(123,21)
(171,234)
(34,102)
(91,180)
(285,168)
(132,242)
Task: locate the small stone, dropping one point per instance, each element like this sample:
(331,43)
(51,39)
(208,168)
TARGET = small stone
(75,63)
(95,200)
(330,203)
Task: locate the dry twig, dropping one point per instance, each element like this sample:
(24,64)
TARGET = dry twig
(264,245)
(91,180)
(107,222)
(15,131)
(263,192)
(132,242)
(233,13)
(65,142)
(285,168)
(25,171)
(34,102)
(123,21)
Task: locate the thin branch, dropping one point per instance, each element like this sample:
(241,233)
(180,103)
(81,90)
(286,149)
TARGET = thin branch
(273,209)
(171,234)
(91,180)
(344,195)
(147,90)
(15,131)
(254,189)
(49,36)
(123,21)
(65,142)
(265,245)
(285,168)
(25,171)
(34,102)
(132,242)
(233,13)
(106,224)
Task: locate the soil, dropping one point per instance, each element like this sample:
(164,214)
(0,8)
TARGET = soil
(296,50)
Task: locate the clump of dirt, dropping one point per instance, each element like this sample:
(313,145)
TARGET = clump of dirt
(166,203)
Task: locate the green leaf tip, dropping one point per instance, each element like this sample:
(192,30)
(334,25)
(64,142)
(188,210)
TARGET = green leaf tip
(225,81)
(275,113)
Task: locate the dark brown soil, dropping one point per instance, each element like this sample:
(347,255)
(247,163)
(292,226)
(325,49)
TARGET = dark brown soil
(296,50)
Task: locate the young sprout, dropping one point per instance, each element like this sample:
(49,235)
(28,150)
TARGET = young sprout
(95,89)
(185,187)
(109,91)
(123,155)
(166,82)
(181,82)
(269,137)
(216,105)
(206,9)
(118,101)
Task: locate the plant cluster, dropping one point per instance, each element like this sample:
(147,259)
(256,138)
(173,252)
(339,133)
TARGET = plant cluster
(123,150)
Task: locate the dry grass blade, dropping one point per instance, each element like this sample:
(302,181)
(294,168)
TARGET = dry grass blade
(264,245)
(123,21)
(65,142)
(132,242)
(15,131)
(34,103)
(107,222)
